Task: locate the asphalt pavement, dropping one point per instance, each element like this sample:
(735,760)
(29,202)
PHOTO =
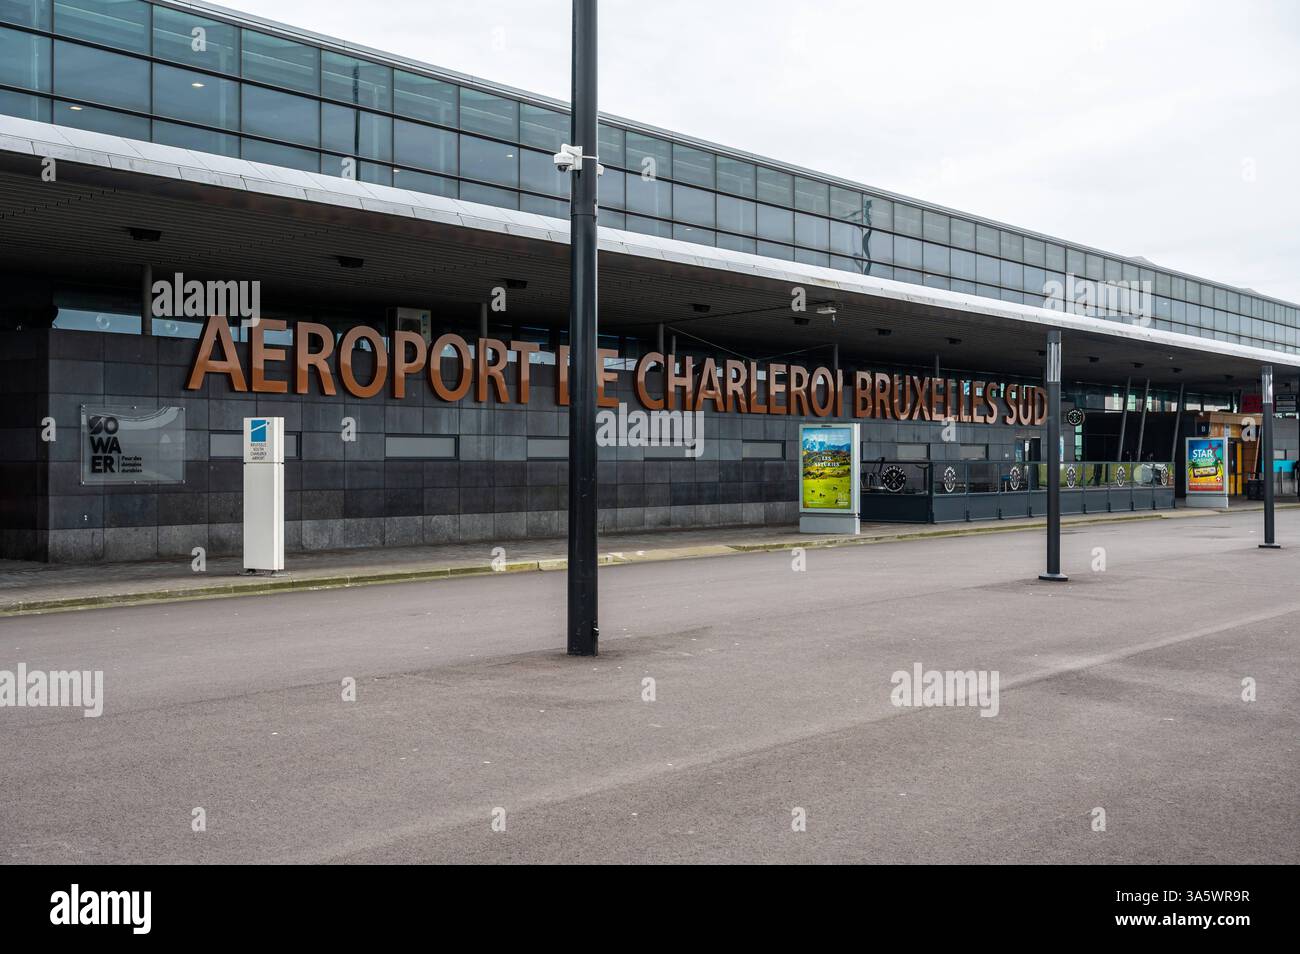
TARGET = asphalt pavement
(472,738)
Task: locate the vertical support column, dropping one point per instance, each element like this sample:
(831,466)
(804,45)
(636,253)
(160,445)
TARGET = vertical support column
(1266,455)
(146,300)
(1142,425)
(583,628)
(1178,420)
(1053,457)
(1123,420)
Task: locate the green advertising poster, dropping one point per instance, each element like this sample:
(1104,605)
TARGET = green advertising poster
(826,468)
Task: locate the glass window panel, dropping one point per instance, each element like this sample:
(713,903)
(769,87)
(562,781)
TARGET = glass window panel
(423,97)
(846,238)
(1055,258)
(880,213)
(1035,254)
(537,173)
(936,281)
(25,60)
(276,115)
(775,224)
(775,187)
(649,196)
(694,166)
(962,263)
(649,157)
(556,208)
(772,250)
(811,196)
(1075,262)
(908,275)
(100,77)
(811,231)
(356,81)
(907,220)
(1179,288)
(1013,275)
(612,151)
(935,258)
(195,97)
(30,13)
(280,62)
(1093,267)
(907,252)
(544,128)
(489,195)
(1112,271)
(987,240)
(1035,279)
(736,177)
(490,161)
(175,38)
(489,114)
(1130,272)
(191,137)
(809,257)
(356,132)
(636,223)
(737,215)
(1220,298)
(847,205)
(24,106)
(694,206)
(275,154)
(987,270)
(1012,246)
(737,243)
(613,185)
(378,174)
(880,246)
(846,264)
(963,233)
(123,24)
(612,220)
(100,120)
(424,147)
(691,233)
(935,226)
(423,182)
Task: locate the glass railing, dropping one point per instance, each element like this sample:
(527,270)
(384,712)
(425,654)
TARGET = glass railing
(1013,477)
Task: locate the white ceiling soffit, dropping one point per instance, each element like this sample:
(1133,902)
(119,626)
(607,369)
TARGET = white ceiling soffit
(29,138)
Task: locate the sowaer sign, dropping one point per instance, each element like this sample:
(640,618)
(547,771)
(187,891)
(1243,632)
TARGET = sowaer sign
(131,445)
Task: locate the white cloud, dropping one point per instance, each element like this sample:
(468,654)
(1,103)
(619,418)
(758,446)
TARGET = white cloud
(1121,125)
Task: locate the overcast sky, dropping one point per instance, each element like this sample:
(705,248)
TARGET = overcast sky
(1142,128)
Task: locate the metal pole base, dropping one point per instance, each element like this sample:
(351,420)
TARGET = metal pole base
(1054,577)
(1270,546)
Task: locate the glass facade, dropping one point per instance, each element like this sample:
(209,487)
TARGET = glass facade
(149,71)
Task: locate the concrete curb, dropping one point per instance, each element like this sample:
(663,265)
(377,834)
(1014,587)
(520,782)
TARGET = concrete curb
(264,586)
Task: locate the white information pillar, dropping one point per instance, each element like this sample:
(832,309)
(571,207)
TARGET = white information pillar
(263,494)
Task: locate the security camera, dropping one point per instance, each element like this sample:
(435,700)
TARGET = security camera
(568,158)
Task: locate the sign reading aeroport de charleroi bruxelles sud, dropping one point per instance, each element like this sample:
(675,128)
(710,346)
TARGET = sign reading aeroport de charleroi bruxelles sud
(727,386)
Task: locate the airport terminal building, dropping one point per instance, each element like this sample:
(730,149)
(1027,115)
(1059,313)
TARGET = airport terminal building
(206,216)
